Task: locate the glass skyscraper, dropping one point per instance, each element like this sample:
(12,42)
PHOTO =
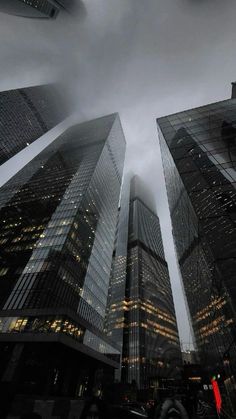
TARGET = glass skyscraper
(58,223)
(199,157)
(48,9)
(30,8)
(233,96)
(26,114)
(141,317)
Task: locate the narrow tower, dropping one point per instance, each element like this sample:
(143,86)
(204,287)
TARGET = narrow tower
(142,316)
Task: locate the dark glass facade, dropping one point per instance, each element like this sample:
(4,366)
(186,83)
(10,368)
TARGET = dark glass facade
(199,158)
(30,8)
(26,114)
(233,96)
(142,316)
(46,9)
(58,222)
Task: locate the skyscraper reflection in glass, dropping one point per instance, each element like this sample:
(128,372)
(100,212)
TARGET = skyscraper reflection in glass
(141,316)
(199,157)
(58,222)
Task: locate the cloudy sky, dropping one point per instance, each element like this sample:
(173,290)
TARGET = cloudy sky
(142,58)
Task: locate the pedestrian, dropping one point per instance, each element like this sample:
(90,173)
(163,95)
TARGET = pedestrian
(203,408)
(95,408)
(171,408)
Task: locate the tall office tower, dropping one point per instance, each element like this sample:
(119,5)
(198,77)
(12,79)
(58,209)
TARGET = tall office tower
(26,114)
(199,157)
(46,9)
(142,317)
(31,8)
(233,96)
(58,223)
(117,301)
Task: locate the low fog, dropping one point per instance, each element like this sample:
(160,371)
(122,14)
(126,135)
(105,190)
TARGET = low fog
(141,58)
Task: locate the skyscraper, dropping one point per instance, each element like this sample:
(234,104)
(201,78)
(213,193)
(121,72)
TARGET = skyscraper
(58,221)
(142,317)
(26,114)
(198,150)
(46,9)
(31,8)
(233,90)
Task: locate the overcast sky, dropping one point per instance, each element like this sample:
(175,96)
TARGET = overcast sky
(141,58)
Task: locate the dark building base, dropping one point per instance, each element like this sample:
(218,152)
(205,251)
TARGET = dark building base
(32,371)
(53,408)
